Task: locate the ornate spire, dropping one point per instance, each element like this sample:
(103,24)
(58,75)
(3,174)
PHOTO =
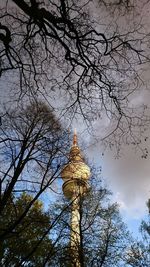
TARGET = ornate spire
(75,142)
(75,154)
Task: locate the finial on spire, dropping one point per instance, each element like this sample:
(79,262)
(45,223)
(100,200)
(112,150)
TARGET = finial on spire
(75,138)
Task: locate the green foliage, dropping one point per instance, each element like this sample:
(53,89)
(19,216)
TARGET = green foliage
(22,244)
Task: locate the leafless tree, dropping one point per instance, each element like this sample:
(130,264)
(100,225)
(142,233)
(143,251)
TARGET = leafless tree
(138,252)
(95,66)
(104,237)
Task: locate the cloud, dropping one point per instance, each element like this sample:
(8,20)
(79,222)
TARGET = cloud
(129,179)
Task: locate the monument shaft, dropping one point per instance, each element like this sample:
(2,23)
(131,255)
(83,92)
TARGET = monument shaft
(75,175)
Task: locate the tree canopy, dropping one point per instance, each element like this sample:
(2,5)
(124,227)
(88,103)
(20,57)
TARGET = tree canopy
(32,151)
(23,244)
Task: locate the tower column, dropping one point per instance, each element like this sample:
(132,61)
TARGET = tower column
(75,175)
(75,238)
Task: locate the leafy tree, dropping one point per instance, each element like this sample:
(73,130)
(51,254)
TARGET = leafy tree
(20,243)
(31,153)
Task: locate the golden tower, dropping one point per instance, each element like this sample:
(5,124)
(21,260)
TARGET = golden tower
(75,175)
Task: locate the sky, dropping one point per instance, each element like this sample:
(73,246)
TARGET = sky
(127,176)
